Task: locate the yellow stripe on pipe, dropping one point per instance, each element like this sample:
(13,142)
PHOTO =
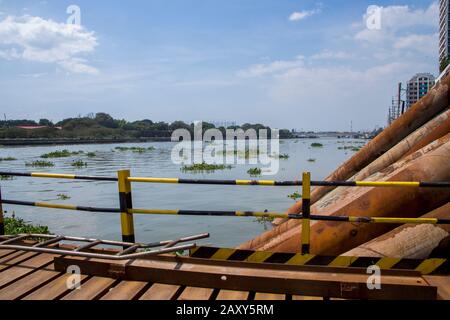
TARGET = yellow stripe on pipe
(305,231)
(300,259)
(153,180)
(342,261)
(404,220)
(259,256)
(52,175)
(429,265)
(258,182)
(126,221)
(353,219)
(386,184)
(153,211)
(387,263)
(55,206)
(222,254)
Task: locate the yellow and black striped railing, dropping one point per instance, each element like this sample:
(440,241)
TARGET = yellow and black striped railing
(260,214)
(414,184)
(126,210)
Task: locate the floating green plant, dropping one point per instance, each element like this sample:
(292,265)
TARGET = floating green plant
(254,172)
(61,154)
(311,160)
(247,154)
(39,163)
(91,154)
(135,149)
(79,164)
(63,196)
(8,159)
(282,156)
(352,148)
(6,177)
(264,221)
(295,196)
(316,145)
(200,167)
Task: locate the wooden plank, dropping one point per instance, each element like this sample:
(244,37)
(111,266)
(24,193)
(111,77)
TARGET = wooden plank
(20,269)
(318,281)
(5,252)
(443,285)
(15,258)
(232,295)
(159,291)
(296,297)
(53,289)
(193,293)
(27,284)
(125,290)
(91,289)
(269,296)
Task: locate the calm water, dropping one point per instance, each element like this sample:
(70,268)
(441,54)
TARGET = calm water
(225,231)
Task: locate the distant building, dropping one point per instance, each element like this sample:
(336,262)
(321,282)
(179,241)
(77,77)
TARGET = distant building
(444,30)
(417,87)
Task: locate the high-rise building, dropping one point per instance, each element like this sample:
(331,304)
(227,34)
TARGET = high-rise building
(417,87)
(444,31)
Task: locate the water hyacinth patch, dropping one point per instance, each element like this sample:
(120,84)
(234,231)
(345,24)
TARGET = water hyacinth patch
(201,167)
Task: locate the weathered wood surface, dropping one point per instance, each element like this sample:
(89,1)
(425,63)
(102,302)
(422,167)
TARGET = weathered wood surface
(34,277)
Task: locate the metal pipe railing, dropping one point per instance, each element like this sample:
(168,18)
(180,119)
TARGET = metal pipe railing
(415,184)
(259,214)
(126,209)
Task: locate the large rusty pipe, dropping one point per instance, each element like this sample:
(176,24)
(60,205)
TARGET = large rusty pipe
(436,101)
(432,130)
(430,163)
(407,241)
(433,103)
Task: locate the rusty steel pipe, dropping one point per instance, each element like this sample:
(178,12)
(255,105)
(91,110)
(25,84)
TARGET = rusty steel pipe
(433,103)
(436,101)
(407,241)
(430,163)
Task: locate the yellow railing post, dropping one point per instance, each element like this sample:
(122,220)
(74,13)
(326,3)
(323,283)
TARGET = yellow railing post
(306,211)
(2,222)
(126,218)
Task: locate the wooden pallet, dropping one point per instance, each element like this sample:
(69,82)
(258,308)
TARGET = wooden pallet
(40,276)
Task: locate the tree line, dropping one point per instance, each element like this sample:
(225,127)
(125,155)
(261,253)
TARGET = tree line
(104,126)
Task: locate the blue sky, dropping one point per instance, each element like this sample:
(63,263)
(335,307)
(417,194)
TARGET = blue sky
(292,64)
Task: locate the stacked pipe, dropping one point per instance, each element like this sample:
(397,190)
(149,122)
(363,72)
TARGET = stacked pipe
(415,147)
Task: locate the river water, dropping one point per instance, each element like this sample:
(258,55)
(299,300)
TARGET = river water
(225,231)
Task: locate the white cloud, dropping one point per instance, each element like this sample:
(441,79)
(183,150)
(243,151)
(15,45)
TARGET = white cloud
(300,15)
(422,43)
(36,39)
(395,19)
(361,72)
(270,68)
(328,54)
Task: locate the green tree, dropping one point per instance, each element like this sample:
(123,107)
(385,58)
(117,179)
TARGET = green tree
(105,120)
(45,122)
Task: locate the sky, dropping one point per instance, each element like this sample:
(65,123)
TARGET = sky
(306,65)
